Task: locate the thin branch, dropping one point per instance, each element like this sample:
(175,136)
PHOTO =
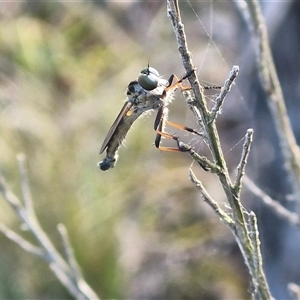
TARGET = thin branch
(64,272)
(12,200)
(174,15)
(13,236)
(69,251)
(242,165)
(67,281)
(83,286)
(209,128)
(261,283)
(211,202)
(31,221)
(224,91)
(203,161)
(25,184)
(276,207)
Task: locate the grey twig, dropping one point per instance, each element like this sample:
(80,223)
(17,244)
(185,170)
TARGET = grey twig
(257,261)
(242,165)
(224,217)
(203,161)
(174,15)
(224,91)
(65,271)
(13,236)
(24,184)
(69,251)
(281,211)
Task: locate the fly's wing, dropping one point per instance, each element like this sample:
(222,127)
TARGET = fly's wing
(126,107)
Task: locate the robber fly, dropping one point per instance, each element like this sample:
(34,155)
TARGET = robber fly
(149,92)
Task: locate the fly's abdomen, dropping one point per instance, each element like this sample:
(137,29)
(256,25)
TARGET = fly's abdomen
(108,162)
(116,140)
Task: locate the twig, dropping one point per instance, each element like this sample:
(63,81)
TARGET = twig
(63,270)
(242,165)
(67,281)
(69,251)
(281,211)
(13,236)
(261,282)
(203,161)
(174,15)
(224,91)
(24,184)
(72,260)
(240,228)
(224,217)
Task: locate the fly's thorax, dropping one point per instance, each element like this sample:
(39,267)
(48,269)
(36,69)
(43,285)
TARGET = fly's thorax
(150,100)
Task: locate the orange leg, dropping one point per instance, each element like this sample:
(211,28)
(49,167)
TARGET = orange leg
(160,133)
(159,121)
(173,137)
(177,83)
(182,127)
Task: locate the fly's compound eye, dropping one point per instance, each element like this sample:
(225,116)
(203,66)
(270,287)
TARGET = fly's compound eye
(148,78)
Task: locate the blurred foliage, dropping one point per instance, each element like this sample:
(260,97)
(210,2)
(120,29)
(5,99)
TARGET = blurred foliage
(141,228)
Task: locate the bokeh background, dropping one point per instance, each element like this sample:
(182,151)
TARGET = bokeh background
(140,230)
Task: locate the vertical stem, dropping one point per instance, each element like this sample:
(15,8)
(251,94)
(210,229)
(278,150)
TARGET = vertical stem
(250,248)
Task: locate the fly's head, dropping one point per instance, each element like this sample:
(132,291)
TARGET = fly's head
(149,79)
(148,90)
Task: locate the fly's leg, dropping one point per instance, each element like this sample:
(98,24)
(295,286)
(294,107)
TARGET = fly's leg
(158,127)
(181,147)
(177,81)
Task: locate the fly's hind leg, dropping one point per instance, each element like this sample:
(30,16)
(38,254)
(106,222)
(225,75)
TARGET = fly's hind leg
(181,147)
(159,126)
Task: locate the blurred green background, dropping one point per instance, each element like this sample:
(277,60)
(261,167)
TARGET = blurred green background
(139,230)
